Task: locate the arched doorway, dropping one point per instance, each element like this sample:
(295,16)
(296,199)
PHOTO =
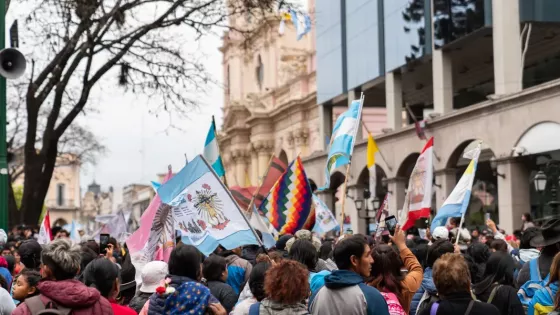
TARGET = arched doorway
(369,198)
(283,157)
(538,151)
(484,193)
(60,222)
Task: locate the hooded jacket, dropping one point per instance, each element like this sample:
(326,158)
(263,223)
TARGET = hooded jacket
(156,302)
(273,308)
(426,286)
(239,270)
(70,294)
(526,255)
(457,304)
(346,293)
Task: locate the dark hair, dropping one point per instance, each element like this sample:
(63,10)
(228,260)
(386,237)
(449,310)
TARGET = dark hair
(437,250)
(477,256)
(213,267)
(421,253)
(455,221)
(91,244)
(527,216)
(55,230)
(304,252)
(499,245)
(113,242)
(325,250)
(256,280)
(287,282)
(527,236)
(386,270)
(65,232)
(499,268)
(32,277)
(343,251)
(4,283)
(101,274)
(185,261)
(88,256)
(11,260)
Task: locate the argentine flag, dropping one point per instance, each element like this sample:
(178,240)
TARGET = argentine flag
(212,151)
(343,138)
(458,201)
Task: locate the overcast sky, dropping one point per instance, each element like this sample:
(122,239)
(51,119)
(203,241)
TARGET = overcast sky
(139,144)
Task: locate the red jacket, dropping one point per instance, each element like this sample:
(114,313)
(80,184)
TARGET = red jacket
(71,294)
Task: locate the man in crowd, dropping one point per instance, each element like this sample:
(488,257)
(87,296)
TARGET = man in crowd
(345,291)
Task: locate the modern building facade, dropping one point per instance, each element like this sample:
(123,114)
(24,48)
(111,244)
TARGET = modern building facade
(473,70)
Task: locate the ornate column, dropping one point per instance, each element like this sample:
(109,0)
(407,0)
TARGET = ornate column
(264,152)
(446,179)
(299,137)
(239,158)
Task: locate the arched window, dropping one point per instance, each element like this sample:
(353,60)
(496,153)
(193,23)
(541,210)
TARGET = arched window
(260,72)
(60,189)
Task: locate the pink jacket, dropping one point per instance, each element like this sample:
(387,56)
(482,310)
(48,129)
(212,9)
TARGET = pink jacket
(71,294)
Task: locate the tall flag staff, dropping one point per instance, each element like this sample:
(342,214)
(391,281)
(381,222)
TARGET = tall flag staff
(212,152)
(342,145)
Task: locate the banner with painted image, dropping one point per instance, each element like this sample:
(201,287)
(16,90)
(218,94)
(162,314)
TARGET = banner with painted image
(204,211)
(325,220)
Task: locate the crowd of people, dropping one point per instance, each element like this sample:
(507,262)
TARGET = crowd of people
(449,271)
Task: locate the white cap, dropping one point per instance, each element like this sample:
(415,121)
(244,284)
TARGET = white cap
(440,233)
(152,275)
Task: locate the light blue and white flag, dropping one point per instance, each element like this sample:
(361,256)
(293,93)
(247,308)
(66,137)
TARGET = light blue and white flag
(306,27)
(204,210)
(212,151)
(458,201)
(262,224)
(324,217)
(155,185)
(343,139)
(74,231)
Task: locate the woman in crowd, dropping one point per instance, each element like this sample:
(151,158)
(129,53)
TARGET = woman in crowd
(386,270)
(60,265)
(452,280)
(527,221)
(184,266)
(6,303)
(25,285)
(427,290)
(547,299)
(477,256)
(214,270)
(256,285)
(497,285)
(152,275)
(286,288)
(103,275)
(304,251)
(192,298)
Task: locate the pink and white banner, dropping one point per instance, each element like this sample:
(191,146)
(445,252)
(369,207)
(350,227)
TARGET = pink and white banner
(45,235)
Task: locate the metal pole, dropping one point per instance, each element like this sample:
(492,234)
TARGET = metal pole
(3,148)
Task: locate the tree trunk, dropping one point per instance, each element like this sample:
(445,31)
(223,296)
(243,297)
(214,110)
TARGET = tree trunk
(13,212)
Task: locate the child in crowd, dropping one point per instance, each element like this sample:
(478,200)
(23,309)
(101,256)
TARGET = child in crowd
(25,285)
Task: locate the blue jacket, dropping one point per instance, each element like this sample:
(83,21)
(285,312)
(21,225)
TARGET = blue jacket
(345,292)
(5,273)
(317,280)
(239,271)
(427,285)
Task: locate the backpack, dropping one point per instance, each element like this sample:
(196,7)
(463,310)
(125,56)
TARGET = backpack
(426,302)
(37,307)
(395,307)
(255,308)
(435,306)
(527,290)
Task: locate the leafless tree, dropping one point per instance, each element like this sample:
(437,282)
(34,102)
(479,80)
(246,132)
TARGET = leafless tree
(79,44)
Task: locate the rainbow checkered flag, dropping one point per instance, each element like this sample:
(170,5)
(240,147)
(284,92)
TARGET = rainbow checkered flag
(288,205)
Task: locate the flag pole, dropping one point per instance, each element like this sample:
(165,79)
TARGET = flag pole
(344,198)
(218,146)
(409,111)
(378,151)
(345,184)
(259,185)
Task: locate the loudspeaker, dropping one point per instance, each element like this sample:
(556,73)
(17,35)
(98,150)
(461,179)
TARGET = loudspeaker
(12,63)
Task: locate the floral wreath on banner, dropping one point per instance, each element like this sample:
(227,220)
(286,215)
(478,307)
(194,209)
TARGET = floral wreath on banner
(165,288)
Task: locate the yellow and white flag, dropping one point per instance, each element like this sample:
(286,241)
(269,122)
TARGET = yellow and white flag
(372,149)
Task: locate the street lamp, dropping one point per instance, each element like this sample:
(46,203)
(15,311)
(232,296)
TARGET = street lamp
(494,167)
(540,181)
(362,206)
(548,176)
